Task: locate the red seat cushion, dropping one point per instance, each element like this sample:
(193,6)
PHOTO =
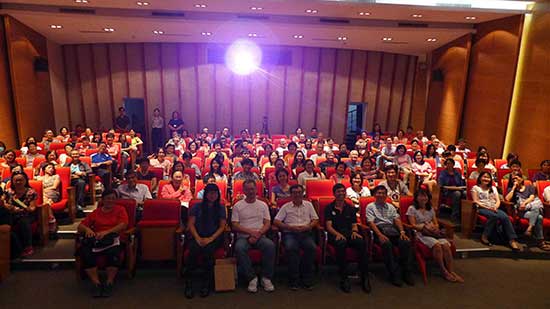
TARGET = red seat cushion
(158,223)
(59,206)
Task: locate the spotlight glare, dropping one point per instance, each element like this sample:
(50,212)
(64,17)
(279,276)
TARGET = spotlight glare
(243,57)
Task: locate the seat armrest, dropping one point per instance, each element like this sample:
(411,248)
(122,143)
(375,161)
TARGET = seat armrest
(509,206)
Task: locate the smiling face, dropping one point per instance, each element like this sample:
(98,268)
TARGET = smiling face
(418,157)
(19,181)
(357,182)
(381,195)
(282,177)
(309,166)
(486,179)
(249,190)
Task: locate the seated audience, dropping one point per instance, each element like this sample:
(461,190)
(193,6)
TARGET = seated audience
(297,219)
(354,163)
(251,221)
(343,232)
(79,178)
(357,190)
(309,173)
(423,219)
(544,173)
(19,210)
(51,184)
(452,186)
(384,221)
(331,161)
(210,179)
(423,171)
(144,173)
(103,165)
(102,230)
(395,187)
(177,189)
(160,160)
(403,161)
(530,207)
(340,173)
(134,190)
(206,224)
(246,172)
(32,154)
(216,170)
(298,164)
(282,189)
(486,198)
(480,167)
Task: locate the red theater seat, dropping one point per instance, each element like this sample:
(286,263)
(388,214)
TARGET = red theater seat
(159,229)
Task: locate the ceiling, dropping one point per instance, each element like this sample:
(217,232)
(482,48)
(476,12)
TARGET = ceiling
(277,22)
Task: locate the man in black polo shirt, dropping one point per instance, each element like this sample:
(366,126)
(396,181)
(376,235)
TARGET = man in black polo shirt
(343,232)
(122,122)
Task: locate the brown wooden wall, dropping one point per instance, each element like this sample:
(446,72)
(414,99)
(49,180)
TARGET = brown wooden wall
(529,130)
(446,97)
(31,89)
(495,49)
(313,91)
(8,126)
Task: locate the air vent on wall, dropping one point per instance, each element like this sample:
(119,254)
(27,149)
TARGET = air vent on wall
(254,17)
(77,11)
(168,14)
(334,21)
(413,25)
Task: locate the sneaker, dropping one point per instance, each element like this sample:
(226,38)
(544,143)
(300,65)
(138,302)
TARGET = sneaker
(268,285)
(189,292)
(27,252)
(294,286)
(107,290)
(253,285)
(97,291)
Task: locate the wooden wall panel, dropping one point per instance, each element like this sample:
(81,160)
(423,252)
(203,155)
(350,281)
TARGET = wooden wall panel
(309,88)
(374,66)
(188,84)
(293,93)
(419,97)
(313,90)
(340,94)
(494,54)
(407,97)
(358,66)
(8,125)
(117,55)
(88,84)
(382,103)
(325,88)
(103,82)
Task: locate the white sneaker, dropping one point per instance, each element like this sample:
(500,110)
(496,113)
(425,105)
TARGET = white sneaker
(253,285)
(268,285)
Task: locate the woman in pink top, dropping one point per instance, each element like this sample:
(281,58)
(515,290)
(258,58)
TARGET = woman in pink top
(403,161)
(423,171)
(177,189)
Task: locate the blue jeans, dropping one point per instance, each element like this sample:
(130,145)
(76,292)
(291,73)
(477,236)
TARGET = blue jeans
(495,217)
(455,196)
(293,243)
(244,265)
(535,219)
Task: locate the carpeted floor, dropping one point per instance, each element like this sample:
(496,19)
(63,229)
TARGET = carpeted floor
(490,283)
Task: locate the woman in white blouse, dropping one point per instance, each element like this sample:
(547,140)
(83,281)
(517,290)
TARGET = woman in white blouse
(357,190)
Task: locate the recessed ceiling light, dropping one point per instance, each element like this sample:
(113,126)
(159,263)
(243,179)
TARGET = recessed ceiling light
(431,39)
(342,38)
(206,33)
(416,15)
(298,36)
(364,13)
(387,39)
(81,1)
(252,35)
(109,29)
(256,8)
(200,6)
(56,26)
(158,32)
(142,3)
(312,11)
(470,18)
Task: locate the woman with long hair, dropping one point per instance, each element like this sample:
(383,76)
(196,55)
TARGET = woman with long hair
(206,224)
(309,173)
(423,219)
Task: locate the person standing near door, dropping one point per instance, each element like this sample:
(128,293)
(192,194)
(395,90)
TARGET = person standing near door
(157,125)
(176,123)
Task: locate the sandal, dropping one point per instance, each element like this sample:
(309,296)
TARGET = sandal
(544,246)
(484,240)
(457,277)
(449,277)
(515,246)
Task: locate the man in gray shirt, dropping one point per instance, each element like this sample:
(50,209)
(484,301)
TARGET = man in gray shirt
(296,219)
(384,221)
(251,221)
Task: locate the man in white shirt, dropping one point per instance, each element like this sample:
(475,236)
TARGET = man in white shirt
(282,147)
(319,153)
(133,190)
(251,221)
(297,219)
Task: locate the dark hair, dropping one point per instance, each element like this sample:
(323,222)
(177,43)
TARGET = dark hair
(219,170)
(15,154)
(48,164)
(338,186)
(142,160)
(512,156)
(431,146)
(480,161)
(217,143)
(187,155)
(279,171)
(130,173)
(392,167)
(247,161)
(451,147)
(29,144)
(109,192)
(366,158)
(211,187)
(478,181)
(354,174)
(541,163)
(416,153)
(177,163)
(341,164)
(121,109)
(52,151)
(156,110)
(110,135)
(296,186)
(314,172)
(378,188)
(27,185)
(295,162)
(249,181)
(481,149)
(451,160)
(515,162)
(427,193)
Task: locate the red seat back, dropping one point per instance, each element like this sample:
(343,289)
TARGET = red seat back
(238,188)
(431,161)
(130,205)
(37,186)
(21,160)
(57,146)
(161,210)
(222,185)
(65,177)
(319,187)
(322,203)
(363,203)
(404,203)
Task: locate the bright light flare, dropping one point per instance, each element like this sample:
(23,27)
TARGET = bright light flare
(243,57)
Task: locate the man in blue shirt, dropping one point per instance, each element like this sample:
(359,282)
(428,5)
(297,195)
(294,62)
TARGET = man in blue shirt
(102,164)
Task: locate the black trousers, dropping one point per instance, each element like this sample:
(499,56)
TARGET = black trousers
(157,138)
(80,190)
(359,245)
(89,258)
(202,257)
(395,267)
(21,227)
